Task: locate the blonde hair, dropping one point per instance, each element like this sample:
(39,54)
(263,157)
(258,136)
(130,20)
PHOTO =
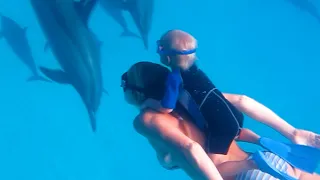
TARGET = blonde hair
(180,40)
(148,76)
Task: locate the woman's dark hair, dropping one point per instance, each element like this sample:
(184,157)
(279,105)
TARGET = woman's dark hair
(147,79)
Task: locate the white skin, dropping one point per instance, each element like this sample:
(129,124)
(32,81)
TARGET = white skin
(164,134)
(180,143)
(167,135)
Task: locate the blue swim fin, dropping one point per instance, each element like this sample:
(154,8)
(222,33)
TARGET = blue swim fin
(302,157)
(265,165)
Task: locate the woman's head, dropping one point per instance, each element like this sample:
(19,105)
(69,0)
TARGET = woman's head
(172,43)
(144,80)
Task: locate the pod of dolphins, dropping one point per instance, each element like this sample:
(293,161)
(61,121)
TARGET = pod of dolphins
(76,47)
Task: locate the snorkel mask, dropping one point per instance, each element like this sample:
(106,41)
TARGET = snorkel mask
(125,85)
(168,52)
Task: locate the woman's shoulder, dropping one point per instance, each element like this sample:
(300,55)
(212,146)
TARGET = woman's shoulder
(148,122)
(148,117)
(145,118)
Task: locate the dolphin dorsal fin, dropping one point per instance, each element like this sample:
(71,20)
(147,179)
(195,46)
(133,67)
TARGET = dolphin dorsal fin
(84,9)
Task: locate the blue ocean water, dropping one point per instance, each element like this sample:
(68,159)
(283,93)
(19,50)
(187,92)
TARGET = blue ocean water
(268,50)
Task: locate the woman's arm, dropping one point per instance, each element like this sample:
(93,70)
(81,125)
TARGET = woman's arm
(189,154)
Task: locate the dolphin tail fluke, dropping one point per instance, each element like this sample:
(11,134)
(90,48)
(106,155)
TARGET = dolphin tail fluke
(105,91)
(37,78)
(128,33)
(93,121)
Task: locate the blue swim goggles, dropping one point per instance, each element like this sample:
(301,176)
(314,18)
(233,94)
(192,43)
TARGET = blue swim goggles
(125,85)
(162,51)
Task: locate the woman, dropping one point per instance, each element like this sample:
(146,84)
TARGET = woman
(178,142)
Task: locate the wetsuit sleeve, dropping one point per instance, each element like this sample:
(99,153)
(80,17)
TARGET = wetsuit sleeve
(172,89)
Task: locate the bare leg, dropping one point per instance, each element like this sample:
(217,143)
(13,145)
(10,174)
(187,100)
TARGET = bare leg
(261,113)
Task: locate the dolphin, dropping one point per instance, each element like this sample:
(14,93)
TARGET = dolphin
(307,6)
(79,6)
(74,47)
(114,9)
(142,13)
(99,43)
(17,40)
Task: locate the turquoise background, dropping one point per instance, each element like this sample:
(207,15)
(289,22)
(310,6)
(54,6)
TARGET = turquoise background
(268,50)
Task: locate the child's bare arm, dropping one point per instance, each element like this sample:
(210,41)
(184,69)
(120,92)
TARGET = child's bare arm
(261,113)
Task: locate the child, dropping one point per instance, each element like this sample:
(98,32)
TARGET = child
(221,121)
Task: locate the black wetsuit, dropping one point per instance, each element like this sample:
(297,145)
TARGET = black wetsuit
(223,120)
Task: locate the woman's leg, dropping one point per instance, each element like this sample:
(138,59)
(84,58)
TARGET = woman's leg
(261,113)
(247,135)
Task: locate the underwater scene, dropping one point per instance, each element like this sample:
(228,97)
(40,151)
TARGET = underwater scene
(159,89)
